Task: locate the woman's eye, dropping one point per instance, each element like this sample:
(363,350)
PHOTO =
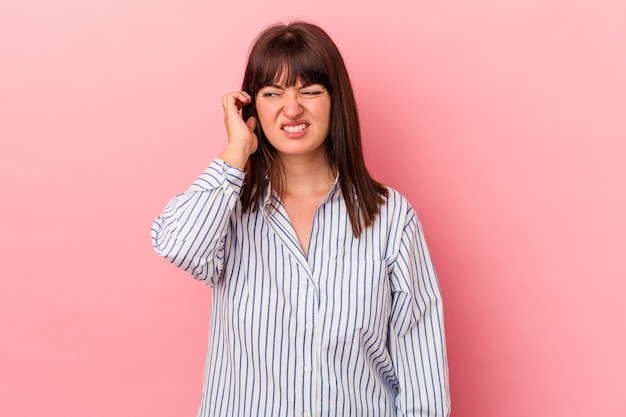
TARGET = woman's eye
(313,91)
(270,94)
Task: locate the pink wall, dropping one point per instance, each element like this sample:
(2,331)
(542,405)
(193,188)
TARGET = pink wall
(503,121)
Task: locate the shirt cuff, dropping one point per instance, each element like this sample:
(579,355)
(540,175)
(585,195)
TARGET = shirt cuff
(220,174)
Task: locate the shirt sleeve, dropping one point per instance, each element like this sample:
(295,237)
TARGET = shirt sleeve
(417,339)
(191,231)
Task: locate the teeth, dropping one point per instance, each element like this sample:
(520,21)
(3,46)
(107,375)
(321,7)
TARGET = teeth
(294,129)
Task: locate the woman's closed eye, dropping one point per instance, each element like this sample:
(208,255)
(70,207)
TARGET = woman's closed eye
(310,93)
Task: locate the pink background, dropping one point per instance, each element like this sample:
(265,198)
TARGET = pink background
(503,121)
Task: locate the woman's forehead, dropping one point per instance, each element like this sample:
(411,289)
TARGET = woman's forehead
(292,74)
(298,86)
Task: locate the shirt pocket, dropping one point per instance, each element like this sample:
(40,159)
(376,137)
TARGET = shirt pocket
(357,300)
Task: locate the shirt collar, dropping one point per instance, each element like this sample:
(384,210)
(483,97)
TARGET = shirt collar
(271,200)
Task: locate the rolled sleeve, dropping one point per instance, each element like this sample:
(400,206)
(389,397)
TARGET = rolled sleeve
(190,232)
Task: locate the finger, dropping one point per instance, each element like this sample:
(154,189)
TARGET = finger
(235,100)
(241,99)
(251,123)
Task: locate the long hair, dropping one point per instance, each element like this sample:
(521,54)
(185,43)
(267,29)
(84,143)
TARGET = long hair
(302,52)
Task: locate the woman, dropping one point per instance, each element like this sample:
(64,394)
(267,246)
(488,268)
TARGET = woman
(325,300)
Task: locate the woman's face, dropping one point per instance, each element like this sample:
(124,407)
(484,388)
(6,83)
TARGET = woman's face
(295,120)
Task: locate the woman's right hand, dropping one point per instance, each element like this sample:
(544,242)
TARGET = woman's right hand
(242,141)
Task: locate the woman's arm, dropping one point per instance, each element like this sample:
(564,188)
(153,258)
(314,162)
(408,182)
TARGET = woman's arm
(416,333)
(191,231)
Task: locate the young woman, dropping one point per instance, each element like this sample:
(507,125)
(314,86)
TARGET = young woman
(325,300)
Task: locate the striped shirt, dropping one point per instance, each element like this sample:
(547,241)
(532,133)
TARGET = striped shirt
(353,329)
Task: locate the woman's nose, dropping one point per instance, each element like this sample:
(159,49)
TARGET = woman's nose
(291,106)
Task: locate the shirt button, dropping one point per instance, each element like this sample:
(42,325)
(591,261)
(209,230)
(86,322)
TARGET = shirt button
(309,326)
(307,368)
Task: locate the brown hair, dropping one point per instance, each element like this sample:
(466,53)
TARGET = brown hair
(303,52)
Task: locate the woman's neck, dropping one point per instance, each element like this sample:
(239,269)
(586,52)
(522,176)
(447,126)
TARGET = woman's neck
(307,176)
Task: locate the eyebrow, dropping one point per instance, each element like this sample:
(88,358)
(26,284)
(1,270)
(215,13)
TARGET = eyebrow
(282,88)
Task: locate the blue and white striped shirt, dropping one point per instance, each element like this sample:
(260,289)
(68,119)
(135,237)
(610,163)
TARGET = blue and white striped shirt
(353,329)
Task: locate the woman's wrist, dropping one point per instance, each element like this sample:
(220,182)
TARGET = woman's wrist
(236,155)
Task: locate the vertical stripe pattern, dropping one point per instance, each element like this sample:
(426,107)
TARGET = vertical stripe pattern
(353,329)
